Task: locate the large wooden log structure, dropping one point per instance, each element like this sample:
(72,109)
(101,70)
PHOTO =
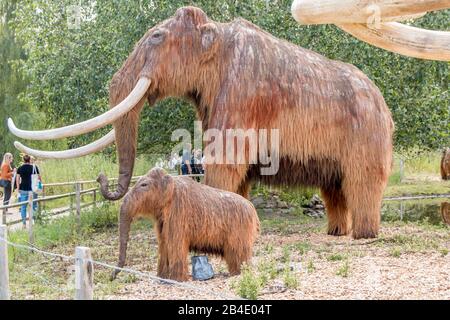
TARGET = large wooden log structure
(374,23)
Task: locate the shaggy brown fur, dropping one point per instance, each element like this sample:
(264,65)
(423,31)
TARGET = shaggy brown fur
(190,216)
(335,128)
(445,212)
(445,164)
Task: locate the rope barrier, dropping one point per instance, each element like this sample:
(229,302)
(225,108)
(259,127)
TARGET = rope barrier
(127,270)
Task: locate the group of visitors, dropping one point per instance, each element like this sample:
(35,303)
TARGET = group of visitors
(192,161)
(23,179)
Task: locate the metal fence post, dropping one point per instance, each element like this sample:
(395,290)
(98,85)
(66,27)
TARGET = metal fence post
(31,217)
(84,274)
(4,270)
(402,170)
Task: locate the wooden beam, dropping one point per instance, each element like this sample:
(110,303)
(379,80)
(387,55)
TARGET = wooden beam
(362,11)
(403,39)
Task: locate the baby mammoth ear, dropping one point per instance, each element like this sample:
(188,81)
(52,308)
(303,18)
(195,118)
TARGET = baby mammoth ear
(168,187)
(210,38)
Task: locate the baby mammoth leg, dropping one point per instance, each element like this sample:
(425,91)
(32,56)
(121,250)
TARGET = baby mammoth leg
(163,261)
(177,260)
(235,256)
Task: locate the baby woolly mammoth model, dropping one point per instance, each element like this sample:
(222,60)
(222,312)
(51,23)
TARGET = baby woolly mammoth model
(334,126)
(189,216)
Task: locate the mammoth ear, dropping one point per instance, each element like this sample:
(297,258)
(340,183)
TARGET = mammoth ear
(168,187)
(192,16)
(209,40)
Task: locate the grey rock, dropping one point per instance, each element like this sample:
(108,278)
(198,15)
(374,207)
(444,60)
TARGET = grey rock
(258,202)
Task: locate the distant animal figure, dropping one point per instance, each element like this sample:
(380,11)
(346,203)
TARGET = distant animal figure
(445,212)
(189,216)
(445,164)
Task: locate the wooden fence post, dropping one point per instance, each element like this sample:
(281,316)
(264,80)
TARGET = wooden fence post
(31,217)
(4,270)
(95,199)
(42,206)
(78,200)
(84,274)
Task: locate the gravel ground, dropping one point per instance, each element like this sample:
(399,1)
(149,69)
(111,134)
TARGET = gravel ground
(408,261)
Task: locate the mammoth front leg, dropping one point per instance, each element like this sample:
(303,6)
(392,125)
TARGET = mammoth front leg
(339,219)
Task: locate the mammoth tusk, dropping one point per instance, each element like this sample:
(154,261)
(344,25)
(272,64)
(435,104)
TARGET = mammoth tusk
(89,125)
(403,39)
(361,11)
(95,146)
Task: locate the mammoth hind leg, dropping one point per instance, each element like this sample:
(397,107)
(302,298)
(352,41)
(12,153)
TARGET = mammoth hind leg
(339,222)
(244,189)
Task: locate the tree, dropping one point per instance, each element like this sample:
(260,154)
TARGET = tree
(70,68)
(12,82)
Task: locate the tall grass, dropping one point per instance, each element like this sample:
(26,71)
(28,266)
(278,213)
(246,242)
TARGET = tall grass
(86,168)
(417,165)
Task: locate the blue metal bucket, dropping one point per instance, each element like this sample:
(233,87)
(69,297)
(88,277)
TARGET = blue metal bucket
(201,268)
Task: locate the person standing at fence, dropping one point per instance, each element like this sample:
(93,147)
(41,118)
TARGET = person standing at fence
(24,185)
(186,160)
(7,173)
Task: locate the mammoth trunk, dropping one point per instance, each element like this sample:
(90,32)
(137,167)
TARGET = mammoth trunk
(124,230)
(126,129)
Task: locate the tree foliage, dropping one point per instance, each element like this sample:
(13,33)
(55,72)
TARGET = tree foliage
(12,82)
(69,69)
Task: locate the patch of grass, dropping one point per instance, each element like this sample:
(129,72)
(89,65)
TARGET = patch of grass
(286,254)
(311,268)
(422,188)
(290,279)
(444,252)
(268,268)
(395,252)
(302,247)
(343,271)
(249,284)
(335,257)
(410,243)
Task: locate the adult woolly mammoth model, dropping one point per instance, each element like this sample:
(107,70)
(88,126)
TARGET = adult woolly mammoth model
(190,216)
(445,164)
(334,126)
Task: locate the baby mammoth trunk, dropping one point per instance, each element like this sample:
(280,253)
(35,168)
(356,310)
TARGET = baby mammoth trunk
(124,229)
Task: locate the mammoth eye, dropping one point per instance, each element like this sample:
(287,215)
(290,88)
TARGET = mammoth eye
(157,37)
(144,185)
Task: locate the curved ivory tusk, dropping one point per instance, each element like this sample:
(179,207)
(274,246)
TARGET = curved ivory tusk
(361,11)
(403,39)
(95,146)
(89,125)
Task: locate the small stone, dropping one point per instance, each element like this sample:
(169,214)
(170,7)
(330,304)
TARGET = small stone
(258,202)
(282,205)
